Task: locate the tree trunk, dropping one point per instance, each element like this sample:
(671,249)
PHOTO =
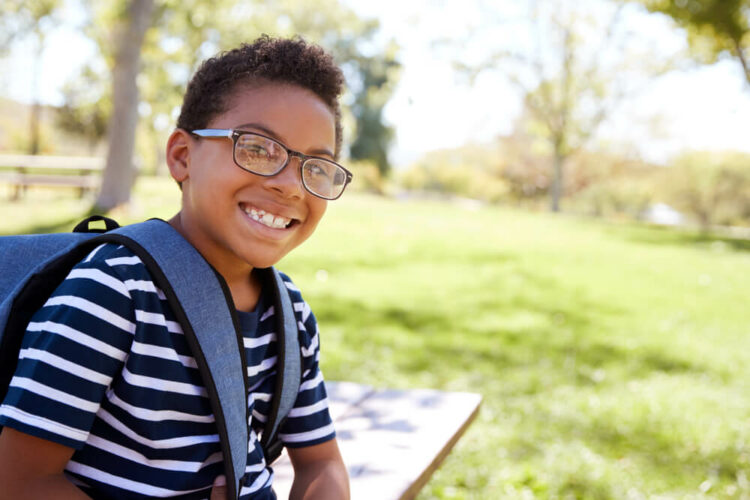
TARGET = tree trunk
(119,173)
(743,60)
(557,183)
(36,111)
(36,107)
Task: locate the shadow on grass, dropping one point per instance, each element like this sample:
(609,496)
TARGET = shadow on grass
(649,444)
(657,235)
(394,261)
(451,345)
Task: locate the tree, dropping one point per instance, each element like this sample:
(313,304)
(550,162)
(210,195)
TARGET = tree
(131,20)
(714,27)
(376,80)
(29,18)
(19,18)
(572,72)
(87,107)
(468,171)
(164,48)
(713,188)
(371,67)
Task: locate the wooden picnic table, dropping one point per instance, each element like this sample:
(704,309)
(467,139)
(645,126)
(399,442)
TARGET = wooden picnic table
(22,171)
(391,440)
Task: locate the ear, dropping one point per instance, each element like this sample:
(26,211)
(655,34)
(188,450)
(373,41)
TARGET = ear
(179,146)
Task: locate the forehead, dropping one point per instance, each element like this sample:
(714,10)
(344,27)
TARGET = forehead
(293,114)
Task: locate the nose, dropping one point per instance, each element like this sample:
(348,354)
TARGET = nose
(288,182)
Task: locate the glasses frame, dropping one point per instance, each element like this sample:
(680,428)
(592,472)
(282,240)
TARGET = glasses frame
(235,134)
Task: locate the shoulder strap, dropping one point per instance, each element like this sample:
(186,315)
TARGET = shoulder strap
(208,311)
(204,308)
(289,371)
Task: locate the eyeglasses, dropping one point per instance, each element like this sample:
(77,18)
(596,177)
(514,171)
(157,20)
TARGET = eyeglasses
(267,157)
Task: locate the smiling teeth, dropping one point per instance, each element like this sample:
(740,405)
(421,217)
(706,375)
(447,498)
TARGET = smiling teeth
(270,220)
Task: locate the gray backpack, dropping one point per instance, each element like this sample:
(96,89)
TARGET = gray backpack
(32,266)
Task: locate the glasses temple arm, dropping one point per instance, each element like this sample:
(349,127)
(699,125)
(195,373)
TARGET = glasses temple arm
(213,132)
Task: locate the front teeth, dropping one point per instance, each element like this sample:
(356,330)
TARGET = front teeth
(270,220)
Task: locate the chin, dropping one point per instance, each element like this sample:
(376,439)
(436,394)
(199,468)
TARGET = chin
(262,262)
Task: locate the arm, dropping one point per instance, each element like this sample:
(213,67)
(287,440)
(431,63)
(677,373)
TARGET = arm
(32,468)
(319,473)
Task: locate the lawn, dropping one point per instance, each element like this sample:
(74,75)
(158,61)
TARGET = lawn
(611,358)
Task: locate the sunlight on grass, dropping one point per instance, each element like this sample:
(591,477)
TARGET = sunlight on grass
(58,210)
(612,359)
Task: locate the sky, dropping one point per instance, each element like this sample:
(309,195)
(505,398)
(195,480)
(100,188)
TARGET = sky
(702,107)
(697,108)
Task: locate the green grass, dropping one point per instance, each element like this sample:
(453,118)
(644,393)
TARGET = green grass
(612,359)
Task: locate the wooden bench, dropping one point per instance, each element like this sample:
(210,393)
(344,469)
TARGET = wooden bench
(23,171)
(391,440)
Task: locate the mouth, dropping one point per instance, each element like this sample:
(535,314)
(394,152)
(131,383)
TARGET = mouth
(268,219)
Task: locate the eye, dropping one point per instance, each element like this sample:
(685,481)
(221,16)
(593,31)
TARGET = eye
(257,150)
(317,170)
(339,177)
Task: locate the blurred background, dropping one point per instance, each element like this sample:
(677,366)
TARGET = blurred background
(551,207)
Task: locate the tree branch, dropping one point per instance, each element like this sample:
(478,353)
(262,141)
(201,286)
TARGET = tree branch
(743,58)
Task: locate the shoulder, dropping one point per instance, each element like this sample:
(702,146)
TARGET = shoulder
(294,291)
(301,308)
(108,275)
(119,259)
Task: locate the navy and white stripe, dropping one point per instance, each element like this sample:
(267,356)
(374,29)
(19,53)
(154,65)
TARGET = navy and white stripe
(105,369)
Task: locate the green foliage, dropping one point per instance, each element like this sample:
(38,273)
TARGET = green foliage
(610,186)
(29,20)
(19,18)
(611,359)
(713,188)
(377,78)
(367,178)
(186,32)
(470,171)
(573,67)
(615,198)
(517,170)
(86,108)
(20,140)
(714,27)
(371,67)
(525,164)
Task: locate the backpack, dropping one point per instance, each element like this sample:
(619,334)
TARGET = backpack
(32,266)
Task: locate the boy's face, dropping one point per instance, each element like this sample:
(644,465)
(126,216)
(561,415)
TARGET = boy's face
(218,196)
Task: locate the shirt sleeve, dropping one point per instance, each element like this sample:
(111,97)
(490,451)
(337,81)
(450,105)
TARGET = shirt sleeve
(72,349)
(309,422)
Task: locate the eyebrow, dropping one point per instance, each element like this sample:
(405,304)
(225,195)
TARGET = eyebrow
(267,131)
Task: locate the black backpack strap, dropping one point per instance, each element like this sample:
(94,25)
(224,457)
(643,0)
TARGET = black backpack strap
(85,225)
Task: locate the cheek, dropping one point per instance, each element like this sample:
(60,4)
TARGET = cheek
(319,208)
(316,208)
(218,181)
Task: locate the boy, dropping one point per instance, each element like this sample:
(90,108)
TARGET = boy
(106,401)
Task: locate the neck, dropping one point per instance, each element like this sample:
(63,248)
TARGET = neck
(244,285)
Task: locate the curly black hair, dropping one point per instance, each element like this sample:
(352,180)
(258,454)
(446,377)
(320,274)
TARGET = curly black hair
(266,60)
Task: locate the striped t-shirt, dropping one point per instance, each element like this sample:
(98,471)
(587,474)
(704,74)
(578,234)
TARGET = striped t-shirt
(104,368)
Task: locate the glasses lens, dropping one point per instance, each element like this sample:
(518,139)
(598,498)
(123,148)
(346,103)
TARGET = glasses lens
(259,155)
(323,178)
